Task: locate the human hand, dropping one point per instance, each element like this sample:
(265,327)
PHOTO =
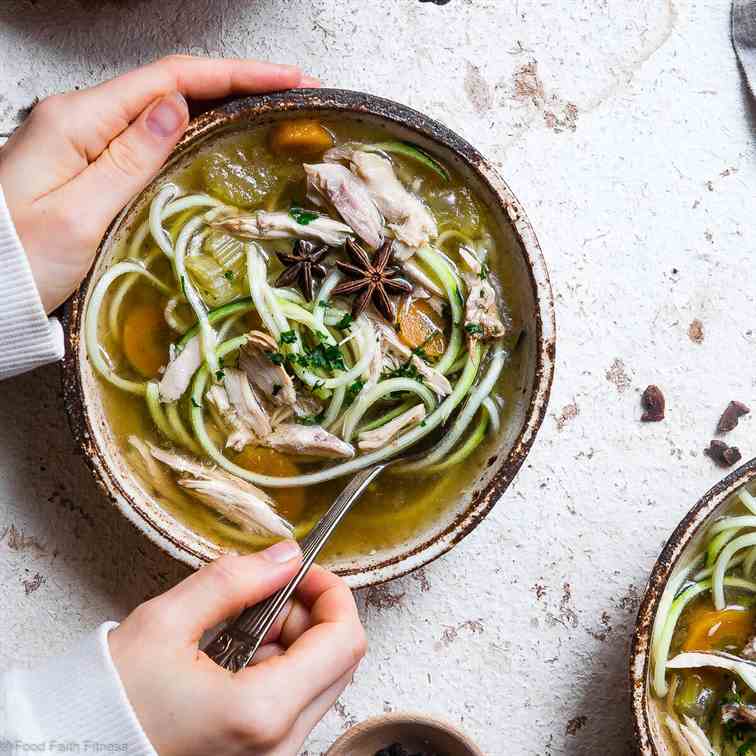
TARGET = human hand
(189,705)
(81,156)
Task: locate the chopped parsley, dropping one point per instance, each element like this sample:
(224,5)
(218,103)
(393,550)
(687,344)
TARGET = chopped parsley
(220,375)
(420,352)
(229,275)
(407,370)
(325,357)
(746,748)
(353,389)
(322,303)
(311,419)
(276,358)
(302,216)
(474,329)
(288,337)
(345,323)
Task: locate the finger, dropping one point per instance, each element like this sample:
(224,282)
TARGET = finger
(223,588)
(267,651)
(323,653)
(309,81)
(98,114)
(297,622)
(129,162)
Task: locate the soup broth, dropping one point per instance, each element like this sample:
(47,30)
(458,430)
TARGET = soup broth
(211,265)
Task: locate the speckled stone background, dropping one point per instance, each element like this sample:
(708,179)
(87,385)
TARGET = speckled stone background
(625,129)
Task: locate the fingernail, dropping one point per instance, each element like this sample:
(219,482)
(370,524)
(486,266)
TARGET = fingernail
(309,81)
(281,552)
(168,115)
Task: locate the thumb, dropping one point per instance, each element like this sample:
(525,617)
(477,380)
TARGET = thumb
(224,587)
(132,159)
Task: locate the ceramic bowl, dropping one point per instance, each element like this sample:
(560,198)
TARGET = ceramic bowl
(416,732)
(82,391)
(647,714)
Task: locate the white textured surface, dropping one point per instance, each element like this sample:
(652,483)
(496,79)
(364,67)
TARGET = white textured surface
(624,129)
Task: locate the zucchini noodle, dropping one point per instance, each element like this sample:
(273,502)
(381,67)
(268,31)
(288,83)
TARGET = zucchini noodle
(208,338)
(387,417)
(175,207)
(152,396)
(155,219)
(453,290)
(389,386)
(119,295)
(718,576)
(169,313)
(408,439)
(94,349)
(180,432)
(718,543)
(472,442)
(465,417)
(324,295)
(493,414)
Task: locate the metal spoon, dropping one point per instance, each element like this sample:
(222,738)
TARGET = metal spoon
(235,646)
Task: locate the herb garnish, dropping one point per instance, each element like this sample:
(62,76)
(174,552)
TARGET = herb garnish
(353,390)
(229,275)
(311,419)
(302,216)
(288,337)
(345,323)
(474,329)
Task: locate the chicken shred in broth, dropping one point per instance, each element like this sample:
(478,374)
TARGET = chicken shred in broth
(296,302)
(703,645)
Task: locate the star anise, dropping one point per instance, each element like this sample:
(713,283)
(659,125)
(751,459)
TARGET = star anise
(302,266)
(372,280)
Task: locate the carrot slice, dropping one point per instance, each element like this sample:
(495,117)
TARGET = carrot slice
(711,630)
(302,137)
(146,337)
(290,501)
(420,326)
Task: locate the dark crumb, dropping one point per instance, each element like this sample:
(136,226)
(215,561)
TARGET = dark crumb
(397,749)
(722,454)
(731,415)
(653,404)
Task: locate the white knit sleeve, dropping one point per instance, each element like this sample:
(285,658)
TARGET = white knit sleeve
(28,338)
(75,698)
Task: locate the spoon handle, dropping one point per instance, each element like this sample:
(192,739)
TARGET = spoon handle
(235,646)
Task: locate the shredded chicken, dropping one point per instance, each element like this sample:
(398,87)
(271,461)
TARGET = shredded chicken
(739,714)
(278,225)
(350,197)
(689,737)
(308,440)
(234,498)
(482,319)
(405,213)
(307,405)
(240,434)
(244,400)
(749,650)
(436,381)
(271,379)
(240,409)
(379,437)
(178,374)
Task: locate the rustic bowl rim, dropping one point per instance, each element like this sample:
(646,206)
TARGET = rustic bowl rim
(398,718)
(352,103)
(693,523)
